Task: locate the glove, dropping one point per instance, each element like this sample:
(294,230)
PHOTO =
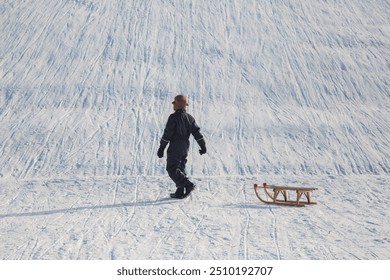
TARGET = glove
(160,152)
(202,145)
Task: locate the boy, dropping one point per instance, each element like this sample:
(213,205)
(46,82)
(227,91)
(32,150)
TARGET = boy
(177,132)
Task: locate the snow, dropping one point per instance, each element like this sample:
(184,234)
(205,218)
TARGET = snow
(285,92)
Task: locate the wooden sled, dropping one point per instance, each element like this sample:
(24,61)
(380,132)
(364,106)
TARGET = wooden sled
(273,192)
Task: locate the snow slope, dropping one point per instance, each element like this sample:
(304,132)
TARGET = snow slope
(287,92)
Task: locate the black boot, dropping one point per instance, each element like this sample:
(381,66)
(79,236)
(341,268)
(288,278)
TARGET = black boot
(179,194)
(189,188)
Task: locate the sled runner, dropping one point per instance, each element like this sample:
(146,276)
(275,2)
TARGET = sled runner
(272,192)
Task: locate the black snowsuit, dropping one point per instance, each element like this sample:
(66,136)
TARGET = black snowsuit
(177,132)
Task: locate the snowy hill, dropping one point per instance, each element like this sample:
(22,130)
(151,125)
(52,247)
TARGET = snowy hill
(287,92)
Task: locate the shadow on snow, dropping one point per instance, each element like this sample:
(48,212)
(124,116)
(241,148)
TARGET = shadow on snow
(82,208)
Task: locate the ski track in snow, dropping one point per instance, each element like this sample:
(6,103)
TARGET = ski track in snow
(287,92)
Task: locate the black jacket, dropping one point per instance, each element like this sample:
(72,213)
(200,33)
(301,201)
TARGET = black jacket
(177,132)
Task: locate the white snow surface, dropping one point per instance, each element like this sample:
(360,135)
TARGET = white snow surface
(285,92)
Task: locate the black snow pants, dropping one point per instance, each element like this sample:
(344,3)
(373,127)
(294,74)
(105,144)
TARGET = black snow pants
(176,167)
